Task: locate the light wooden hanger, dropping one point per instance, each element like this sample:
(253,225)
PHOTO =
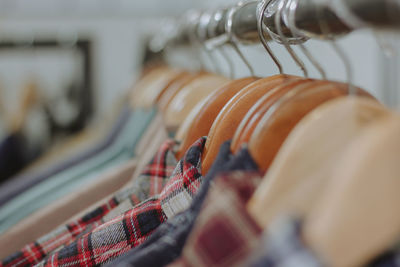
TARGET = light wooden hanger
(152,85)
(145,79)
(199,123)
(309,155)
(187,98)
(165,98)
(358,217)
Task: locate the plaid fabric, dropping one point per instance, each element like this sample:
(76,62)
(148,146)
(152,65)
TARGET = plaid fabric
(224,233)
(149,183)
(124,232)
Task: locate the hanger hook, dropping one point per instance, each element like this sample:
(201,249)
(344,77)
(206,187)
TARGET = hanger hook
(192,18)
(260,15)
(339,51)
(228,61)
(202,29)
(217,16)
(290,21)
(283,38)
(232,40)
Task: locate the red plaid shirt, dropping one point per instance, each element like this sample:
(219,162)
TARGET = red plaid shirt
(224,233)
(124,232)
(149,183)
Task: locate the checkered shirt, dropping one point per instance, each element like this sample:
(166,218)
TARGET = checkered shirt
(117,236)
(149,183)
(224,233)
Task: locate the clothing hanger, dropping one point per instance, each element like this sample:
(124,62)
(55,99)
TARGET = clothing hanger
(234,111)
(188,96)
(272,130)
(245,129)
(311,150)
(278,121)
(204,117)
(364,189)
(165,99)
(153,84)
(357,218)
(200,122)
(253,116)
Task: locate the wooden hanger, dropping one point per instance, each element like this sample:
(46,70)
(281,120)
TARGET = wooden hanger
(233,112)
(166,98)
(144,80)
(277,123)
(151,97)
(253,116)
(187,98)
(153,84)
(309,155)
(358,217)
(198,124)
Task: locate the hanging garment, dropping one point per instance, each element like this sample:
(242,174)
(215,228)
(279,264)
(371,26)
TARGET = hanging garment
(19,184)
(105,186)
(177,187)
(131,229)
(46,219)
(224,233)
(66,182)
(166,243)
(148,184)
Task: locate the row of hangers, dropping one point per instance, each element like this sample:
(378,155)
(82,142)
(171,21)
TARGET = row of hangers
(328,149)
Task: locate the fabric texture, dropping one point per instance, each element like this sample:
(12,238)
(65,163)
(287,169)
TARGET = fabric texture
(224,233)
(166,243)
(45,220)
(66,182)
(21,183)
(129,230)
(149,183)
(282,246)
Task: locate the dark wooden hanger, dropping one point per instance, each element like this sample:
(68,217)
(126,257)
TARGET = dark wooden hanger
(254,115)
(206,116)
(275,126)
(233,112)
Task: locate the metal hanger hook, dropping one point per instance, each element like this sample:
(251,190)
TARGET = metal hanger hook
(339,51)
(202,31)
(212,28)
(262,7)
(283,38)
(290,21)
(232,40)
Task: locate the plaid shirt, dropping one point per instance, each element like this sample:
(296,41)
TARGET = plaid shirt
(117,236)
(149,183)
(224,233)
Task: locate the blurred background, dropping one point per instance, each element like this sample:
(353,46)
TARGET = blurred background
(66,64)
